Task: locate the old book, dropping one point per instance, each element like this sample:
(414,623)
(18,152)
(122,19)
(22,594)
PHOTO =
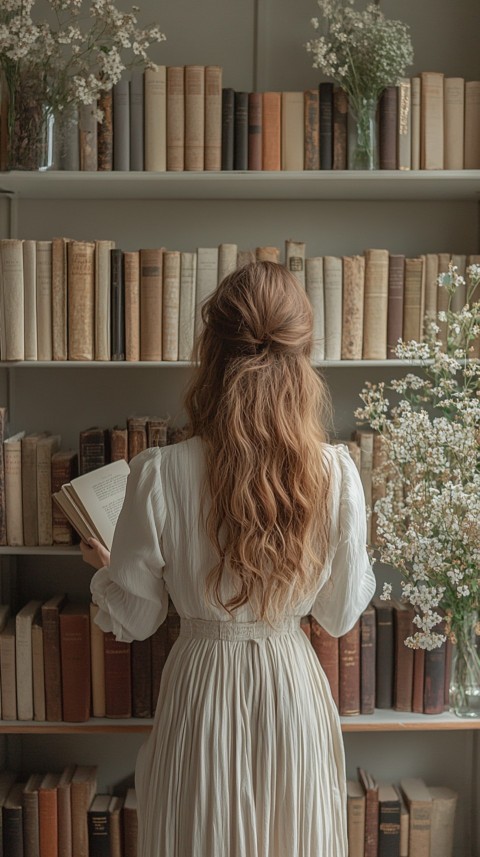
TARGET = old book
(403,671)
(29,487)
(64,469)
(115,827)
(44,299)
(404,824)
(431,289)
(3,510)
(30,299)
(271,139)
(255,130)
(137,435)
(118,443)
(228,114)
(292,137)
(227,260)
(157,434)
(92,502)
(404,124)
(159,648)
(4,618)
(355,819)
(240,131)
(88,137)
(333,288)
(364,439)
(311,120)
(472,125)
(117,306)
(130,824)
(418,680)
(454,109)
(94,450)
(12,341)
(98,827)
(105,132)
(186,322)
(414,299)
(23,658)
(103,299)
(396,289)
(97,665)
(31,831)
(64,810)
(46,447)
(459,297)
(51,656)
(13,821)
(388,821)
(83,789)
(442,298)
(444,804)
(431,121)
(75,660)
(155,113)
(194,117)
(131,269)
(38,670)
(326,125)
(141,651)
(385,653)
(314,288)
(137,121)
(267,254)
(352,311)
(171,304)
(118,677)
(370,788)
(367,660)
(376,305)
(151,298)
(419,802)
(59,299)
(81,300)
(121,125)
(349,670)
(48,816)
(340,117)
(207,279)
(295,259)
(8,671)
(416,122)
(244,257)
(175,118)
(213,118)
(434,681)
(387,112)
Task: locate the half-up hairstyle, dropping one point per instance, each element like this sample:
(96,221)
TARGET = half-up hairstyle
(260,408)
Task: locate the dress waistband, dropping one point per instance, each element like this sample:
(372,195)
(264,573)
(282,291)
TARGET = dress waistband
(216,629)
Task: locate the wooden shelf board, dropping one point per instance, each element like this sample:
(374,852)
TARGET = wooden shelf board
(37,550)
(182,364)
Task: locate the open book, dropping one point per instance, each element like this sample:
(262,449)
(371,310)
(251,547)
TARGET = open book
(92,502)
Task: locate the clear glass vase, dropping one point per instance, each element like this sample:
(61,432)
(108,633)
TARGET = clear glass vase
(30,125)
(362,134)
(465,672)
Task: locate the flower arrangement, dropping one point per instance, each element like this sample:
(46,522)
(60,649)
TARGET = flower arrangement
(428,521)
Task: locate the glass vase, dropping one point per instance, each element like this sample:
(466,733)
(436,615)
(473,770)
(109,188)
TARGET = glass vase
(362,135)
(465,672)
(30,125)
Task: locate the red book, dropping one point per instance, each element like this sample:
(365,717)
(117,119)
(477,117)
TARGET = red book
(118,677)
(349,663)
(272,106)
(75,654)
(51,657)
(326,649)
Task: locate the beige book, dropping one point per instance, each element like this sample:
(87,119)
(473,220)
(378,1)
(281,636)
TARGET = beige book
(175,118)
(412,303)
(292,137)
(155,105)
(12,300)
(415,122)
(44,300)
(364,439)
(431,287)
(332,289)
(23,658)
(295,259)
(103,344)
(8,670)
(227,260)
(352,317)
(38,670)
(81,300)
(404,125)
(12,450)
(151,300)
(213,117)
(29,488)
(4,617)
(115,825)
(59,299)
(375,312)
(454,110)
(30,298)
(46,447)
(194,117)
(267,254)
(131,263)
(315,294)
(64,811)
(443,298)
(355,819)
(444,804)
(83,789)
(88,136)
(245,257)
(419,802)
(404,824)
(459,297)
(186,324)
(207,279)
(431,121)
(171,304)
(472,125)
(475,346)
(97,664)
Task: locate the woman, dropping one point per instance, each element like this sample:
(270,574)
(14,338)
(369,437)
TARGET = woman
(248,525)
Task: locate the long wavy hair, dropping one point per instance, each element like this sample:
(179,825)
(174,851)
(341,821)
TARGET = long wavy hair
(261,410)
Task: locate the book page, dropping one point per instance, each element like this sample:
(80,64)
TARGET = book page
(102,492)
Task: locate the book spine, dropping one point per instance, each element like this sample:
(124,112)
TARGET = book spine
(118,305)
(75,660)
(404,125)
(271,139)
(30,824)
(30,299)
(8,671)
(11,256)
(403,680)
(13,493)
(418,680)
(136,122)
(194,117)
(175,118)
(352,320)
(326,125)
(141,678)
(171,304)
(389,829)
(63,470)
(44,490)
(98,833)
(213,117)
(375,305)
(227,260)
(295,259)
(207,280)
(240,146)
(367,661)
(228,113)
(255,130)
(349,668)
(88,137)
(131,264)
(413,299)
(137,436)
(105,132)
(3,509)
(52,665)
(118,444)
(267,254)
(93,451)
(97,665)
(81,300)
(312,128)
(13,831)
(333,287)
(396,279)
(38,673)
(326,649)
(384,656)
(151,266)
(415,121)
(340,117)
(59,299)
(388,122)
(48,822)
(314,289)
(103,299)
(44,300)
(434,682)
(292,131)
(454,107)
(186,326)
(432,121)
(472,125)
(118,677)
(29,491)
(157,432)
(155,106)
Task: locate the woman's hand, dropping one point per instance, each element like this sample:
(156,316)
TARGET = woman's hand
(94,553)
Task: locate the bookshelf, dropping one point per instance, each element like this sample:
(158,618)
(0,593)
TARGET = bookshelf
(259,45)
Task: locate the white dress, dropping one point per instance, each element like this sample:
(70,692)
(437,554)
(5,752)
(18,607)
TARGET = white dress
(245,757)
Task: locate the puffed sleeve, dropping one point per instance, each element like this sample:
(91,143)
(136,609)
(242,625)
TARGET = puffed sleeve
(131,592)
(351,583)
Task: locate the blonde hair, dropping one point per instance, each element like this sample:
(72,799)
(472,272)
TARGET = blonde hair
(260,408)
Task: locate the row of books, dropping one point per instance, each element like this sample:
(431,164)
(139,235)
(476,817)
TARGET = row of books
(410,819)
(87,300)
(62,814)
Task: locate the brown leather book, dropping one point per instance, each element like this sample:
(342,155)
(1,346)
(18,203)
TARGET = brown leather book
(97,662)
(29,488)
(419,802)
(434,685)
(75,659)
(137,435)
(64,469)
(326,125)
(326,649)
(403,671)
(130,824)
(311,129)
(370,788)
(418,680)
(64,808)
(349,669)
(376,305)
(396,289)
(151,268)
(367,660)
(213,117)
(355,819)
(142,678)
(340,116)
(83,788)
(3,512)
(271,137)
(175,118)
(115,827)
(194,117)
(118,443)
(156,431)
(105,132)
(59,299)
(385,652)
(388,107)
(31,844)
(118,677)
(255,130)
(46,448)
(81,300)
(94,451)
(159,645)
(306,626)
(131,265)
(352,307)
(48,816)
(13,822)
